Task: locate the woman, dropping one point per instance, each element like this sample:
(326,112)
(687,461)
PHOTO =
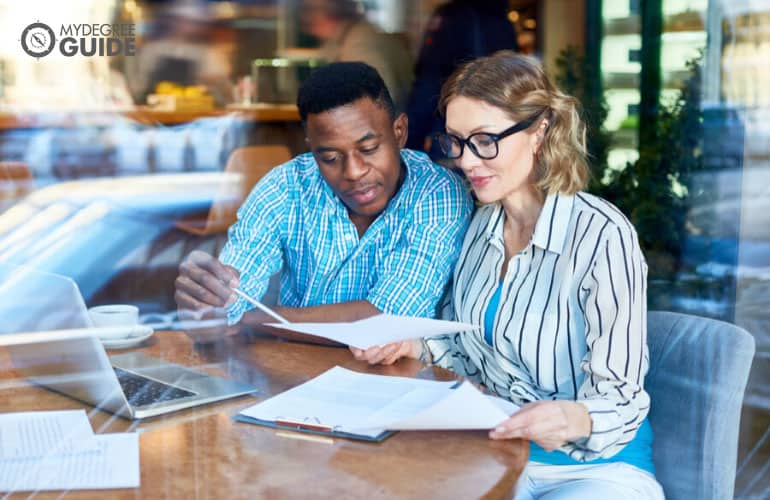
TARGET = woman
(555,279)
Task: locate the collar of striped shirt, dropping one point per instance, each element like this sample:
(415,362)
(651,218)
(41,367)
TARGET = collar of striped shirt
(551,227)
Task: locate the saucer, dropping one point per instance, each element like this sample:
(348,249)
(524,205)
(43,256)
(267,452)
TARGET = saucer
(142,333)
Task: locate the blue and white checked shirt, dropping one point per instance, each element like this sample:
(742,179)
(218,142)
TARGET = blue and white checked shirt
(294,223)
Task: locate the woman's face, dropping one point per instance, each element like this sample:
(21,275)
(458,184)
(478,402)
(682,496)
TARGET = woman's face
(513,170)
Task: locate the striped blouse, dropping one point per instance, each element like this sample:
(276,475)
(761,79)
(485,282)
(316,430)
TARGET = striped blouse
(571,323)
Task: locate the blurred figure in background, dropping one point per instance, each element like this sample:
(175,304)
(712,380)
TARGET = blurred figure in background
(458,31)
(183,50)
(347,36)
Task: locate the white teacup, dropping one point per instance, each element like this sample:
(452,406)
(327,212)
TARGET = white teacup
(121,319)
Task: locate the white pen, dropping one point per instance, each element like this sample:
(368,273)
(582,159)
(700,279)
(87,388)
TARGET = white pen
(261,306)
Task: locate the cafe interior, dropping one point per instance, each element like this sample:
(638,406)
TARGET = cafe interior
(131,131)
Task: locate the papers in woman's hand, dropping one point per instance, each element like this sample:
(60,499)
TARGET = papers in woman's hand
(464,407)
(367,405)
(378,330)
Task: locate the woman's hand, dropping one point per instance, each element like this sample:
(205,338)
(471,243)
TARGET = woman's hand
(389,353)
(550,424)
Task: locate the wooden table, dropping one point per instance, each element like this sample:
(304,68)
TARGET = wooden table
(202,453)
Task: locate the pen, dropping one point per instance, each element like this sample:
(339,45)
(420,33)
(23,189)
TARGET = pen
(304,425)
(307,437)
(262,307)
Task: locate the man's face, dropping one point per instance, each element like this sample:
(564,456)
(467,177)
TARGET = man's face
(357,149)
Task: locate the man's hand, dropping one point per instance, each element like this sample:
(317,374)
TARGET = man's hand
(389,353)
(550,424)
(204,282)
(203,292)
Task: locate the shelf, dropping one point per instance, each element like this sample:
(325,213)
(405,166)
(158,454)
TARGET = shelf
(624,138)
(684,21)
(632,25)
(623,26)
(630,81)
(142,114)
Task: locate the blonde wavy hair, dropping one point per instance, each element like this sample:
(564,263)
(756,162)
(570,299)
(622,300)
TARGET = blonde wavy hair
(518,85)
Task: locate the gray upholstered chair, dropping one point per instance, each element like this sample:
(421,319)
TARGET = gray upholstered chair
(698,373)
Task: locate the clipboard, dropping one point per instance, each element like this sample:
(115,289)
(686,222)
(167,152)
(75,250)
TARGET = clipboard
(313,427)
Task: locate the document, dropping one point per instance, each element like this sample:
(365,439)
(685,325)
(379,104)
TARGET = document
(378,330)
(57,450)
(345,401)
(114,463)
(35,434)
(464,407)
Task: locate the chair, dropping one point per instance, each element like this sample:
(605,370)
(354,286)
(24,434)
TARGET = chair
(15,182)
(698,373)
(248,165)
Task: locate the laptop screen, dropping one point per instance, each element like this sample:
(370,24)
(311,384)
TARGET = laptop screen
(33,300)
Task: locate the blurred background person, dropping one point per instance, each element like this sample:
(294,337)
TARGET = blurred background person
(457,31)
(183,49)
(346,35)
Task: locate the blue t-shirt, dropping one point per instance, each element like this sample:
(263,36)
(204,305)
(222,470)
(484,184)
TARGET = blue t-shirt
(637,453)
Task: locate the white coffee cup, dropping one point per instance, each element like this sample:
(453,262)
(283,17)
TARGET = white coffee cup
(115,316)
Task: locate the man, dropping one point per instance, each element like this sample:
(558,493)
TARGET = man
(357,226)
(346,35)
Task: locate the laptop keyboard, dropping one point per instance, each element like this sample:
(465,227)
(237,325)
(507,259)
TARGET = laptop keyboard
(142,391)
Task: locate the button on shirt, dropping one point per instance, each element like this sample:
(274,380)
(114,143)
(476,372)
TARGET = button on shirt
(571,322)
(293,222)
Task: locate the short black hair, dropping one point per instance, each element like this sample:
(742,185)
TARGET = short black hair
(341,83)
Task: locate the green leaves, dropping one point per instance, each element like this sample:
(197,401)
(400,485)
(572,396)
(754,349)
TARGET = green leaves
(653,191)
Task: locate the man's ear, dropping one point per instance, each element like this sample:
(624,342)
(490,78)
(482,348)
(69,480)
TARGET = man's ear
(401,129)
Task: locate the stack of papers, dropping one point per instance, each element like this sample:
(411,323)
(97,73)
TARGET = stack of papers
(57,450)
(362,405)
(378,330)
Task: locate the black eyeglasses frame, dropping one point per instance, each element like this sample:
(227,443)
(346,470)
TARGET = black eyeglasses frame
(518,127)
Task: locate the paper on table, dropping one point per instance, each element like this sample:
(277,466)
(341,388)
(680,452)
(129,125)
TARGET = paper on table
(36,434)
(378,330)
(462,408)
(114,463)
(367,404)
(342,399)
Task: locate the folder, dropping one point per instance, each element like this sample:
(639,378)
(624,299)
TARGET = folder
(311,426)
(368,407)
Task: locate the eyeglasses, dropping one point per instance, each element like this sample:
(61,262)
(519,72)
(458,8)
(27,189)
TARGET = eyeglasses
(482,144)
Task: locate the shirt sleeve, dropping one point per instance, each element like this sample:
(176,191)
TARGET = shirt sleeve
(413,277)
(253,245)
(448,351)
(614,302)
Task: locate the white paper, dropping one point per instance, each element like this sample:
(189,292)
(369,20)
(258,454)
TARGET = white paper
(462,408)
(57,450)
(36,434)
(378,330)
(342,399)
(368,404)
(114,463)
(508,407)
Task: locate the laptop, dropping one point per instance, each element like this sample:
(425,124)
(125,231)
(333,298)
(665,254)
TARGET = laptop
(45,330)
